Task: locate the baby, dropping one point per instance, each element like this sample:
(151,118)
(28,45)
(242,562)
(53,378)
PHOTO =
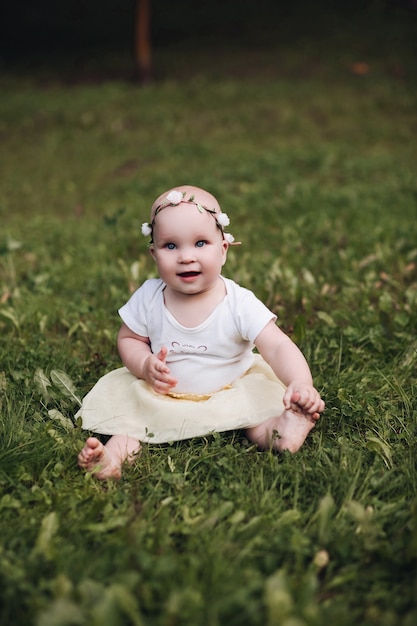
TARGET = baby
(187,344)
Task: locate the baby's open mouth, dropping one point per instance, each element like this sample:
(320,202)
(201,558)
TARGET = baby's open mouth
(189,274)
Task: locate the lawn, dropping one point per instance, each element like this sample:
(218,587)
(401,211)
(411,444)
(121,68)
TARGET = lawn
(309,145)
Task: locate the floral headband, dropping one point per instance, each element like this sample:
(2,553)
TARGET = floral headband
(176,197)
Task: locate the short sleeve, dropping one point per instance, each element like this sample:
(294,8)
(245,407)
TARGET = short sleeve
(250,313)
(135,313)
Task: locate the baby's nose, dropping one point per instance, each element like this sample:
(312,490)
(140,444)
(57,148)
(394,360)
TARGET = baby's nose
(187,255)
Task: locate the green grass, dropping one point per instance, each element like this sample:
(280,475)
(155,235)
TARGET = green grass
(316,167)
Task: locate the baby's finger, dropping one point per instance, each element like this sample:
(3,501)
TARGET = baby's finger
(316,410)
(162,382)
(290,397)
(161,369)
(309,399)
(162,388)
(300,397)
(162,354)
(317,404)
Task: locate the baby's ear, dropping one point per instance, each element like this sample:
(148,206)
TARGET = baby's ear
(225,247)
(152,250)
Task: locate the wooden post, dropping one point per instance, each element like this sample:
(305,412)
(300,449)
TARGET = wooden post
(143,45)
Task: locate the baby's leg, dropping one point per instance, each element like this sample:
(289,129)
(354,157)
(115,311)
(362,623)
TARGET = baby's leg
(292,428)
(105,461)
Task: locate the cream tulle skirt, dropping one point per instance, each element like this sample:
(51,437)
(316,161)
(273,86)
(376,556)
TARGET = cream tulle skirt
(121,404)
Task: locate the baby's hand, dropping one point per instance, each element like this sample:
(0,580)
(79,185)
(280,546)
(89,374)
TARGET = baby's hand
(156,372)
(304,398)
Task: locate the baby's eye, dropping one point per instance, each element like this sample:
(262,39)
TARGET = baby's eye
(170,246)
(200,244)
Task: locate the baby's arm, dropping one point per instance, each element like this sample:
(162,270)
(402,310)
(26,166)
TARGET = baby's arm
(291,368)
(136,354)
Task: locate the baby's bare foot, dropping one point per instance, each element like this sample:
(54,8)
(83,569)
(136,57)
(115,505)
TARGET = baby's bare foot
(293,428)
(96,459)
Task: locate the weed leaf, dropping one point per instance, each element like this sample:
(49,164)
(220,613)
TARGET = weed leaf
(54,414)
(65,385)
(375,444)
(11,315)
(42,382)
(48,529)
(60,611)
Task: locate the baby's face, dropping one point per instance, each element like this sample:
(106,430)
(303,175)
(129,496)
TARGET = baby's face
(188,248)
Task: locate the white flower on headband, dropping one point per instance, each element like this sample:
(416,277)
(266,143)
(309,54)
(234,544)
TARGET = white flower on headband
(175,197)
(229,238)
(146,229)
(223,219)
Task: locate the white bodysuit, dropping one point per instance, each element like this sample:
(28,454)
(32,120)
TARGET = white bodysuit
(207,357)
(222,384)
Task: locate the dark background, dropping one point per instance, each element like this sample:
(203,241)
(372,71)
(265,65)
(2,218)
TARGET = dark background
(73,33)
